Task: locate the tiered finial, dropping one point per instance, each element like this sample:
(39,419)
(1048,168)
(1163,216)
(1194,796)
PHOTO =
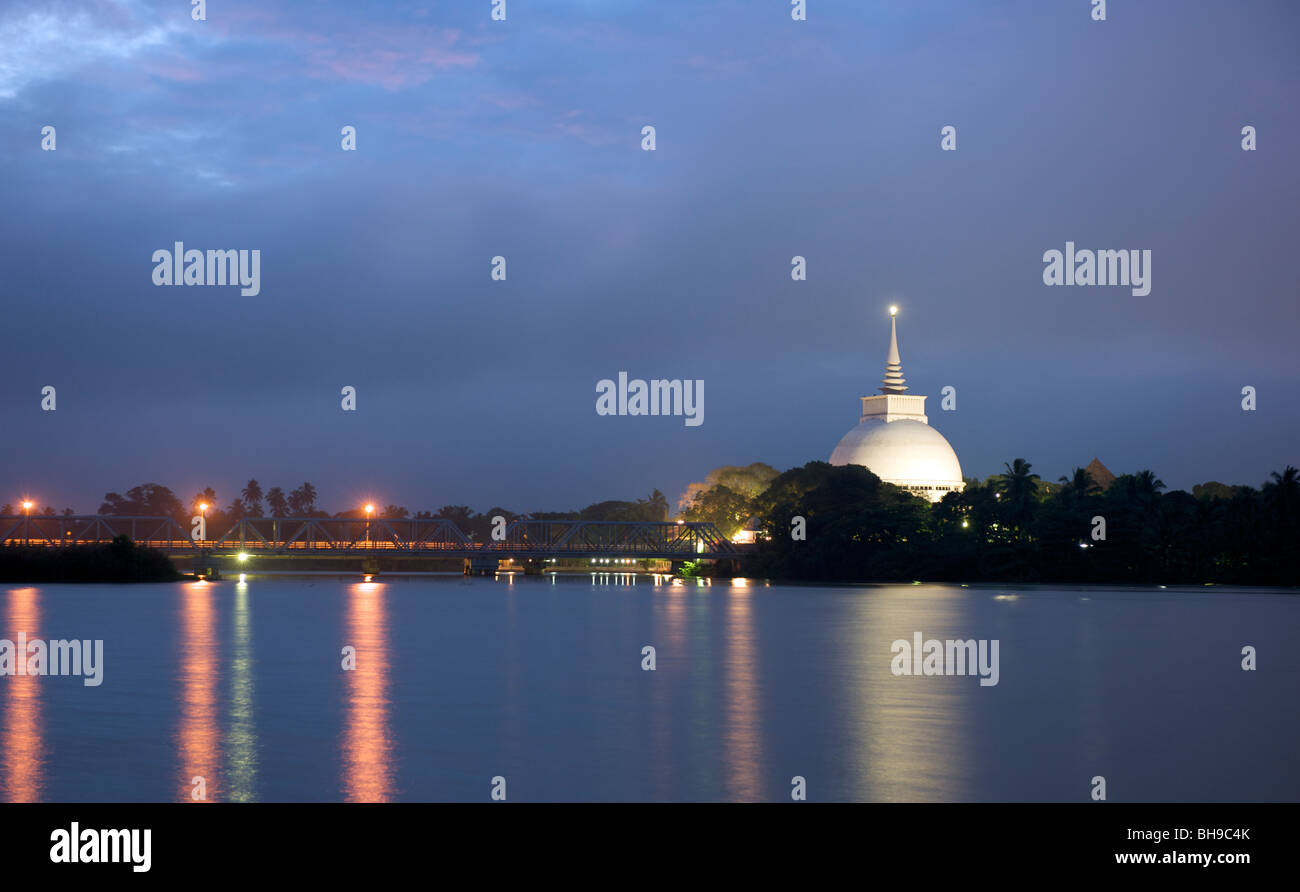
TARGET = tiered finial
(893,381)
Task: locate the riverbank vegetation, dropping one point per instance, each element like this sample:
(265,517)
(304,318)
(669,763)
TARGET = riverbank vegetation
(118,561)
(155,500)
(1014,527)
(1010,527)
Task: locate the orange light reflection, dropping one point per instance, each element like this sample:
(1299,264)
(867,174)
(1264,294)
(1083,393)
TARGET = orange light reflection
(21,745)
(367,744)
(199,737)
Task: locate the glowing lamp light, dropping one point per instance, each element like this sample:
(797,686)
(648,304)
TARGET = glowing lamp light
(893,311)
(203,506)
(370,509)
(243,555)
(27,506)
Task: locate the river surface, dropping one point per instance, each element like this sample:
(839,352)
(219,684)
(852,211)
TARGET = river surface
(537,686)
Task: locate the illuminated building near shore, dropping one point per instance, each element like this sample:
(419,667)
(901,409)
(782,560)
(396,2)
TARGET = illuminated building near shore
(894,438)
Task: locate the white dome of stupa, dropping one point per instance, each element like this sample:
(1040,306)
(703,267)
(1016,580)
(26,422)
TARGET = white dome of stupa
(894,439)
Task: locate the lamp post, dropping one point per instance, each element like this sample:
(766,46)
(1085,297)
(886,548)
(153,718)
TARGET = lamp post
(203,512)
(370,509)
(27,519)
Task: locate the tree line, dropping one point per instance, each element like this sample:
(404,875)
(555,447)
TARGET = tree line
(156,500)
(1015,527)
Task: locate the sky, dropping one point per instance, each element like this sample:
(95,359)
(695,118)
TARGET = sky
(523,139)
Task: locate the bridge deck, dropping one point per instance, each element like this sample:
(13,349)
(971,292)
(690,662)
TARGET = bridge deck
(423,537)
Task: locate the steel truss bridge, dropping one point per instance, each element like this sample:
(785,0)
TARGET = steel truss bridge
(381,537)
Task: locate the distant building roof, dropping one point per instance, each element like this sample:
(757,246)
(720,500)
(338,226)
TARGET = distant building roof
(1100,474)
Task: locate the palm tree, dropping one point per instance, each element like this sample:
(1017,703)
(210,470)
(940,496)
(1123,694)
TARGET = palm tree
(657,506)
(1018,488)
(279,505)
(1079,485)
(1282,494)
(252,496)
(1143,488)
(302,501)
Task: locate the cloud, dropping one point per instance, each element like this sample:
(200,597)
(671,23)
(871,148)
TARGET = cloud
(69,41)
(385,56)
(51,42)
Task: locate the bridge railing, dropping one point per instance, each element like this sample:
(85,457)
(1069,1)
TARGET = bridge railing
(589,536)
(93,529)
(325,535)
(343,534)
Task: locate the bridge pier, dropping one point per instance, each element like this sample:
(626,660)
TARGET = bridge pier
(207,565)
(481,566)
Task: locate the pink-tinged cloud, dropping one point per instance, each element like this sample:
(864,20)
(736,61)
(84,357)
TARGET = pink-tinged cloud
(388,56)
(175,69)
(393,68)
(570,125)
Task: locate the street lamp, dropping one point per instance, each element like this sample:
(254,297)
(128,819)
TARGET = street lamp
(203,512)
(370,509)
(27,517)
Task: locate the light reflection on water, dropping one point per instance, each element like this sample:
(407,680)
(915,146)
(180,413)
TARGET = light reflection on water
(241,764)
(909,730)
(21,723)
(199,735)
(742,737)
(367,747)
(541,681)
(669,637)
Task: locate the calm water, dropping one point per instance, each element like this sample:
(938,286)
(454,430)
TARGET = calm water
(540,682)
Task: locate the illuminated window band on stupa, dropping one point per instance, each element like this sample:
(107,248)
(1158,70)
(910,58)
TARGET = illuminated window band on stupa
(894,438)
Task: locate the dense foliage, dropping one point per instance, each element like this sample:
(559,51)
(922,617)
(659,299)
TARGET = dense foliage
(118,561)
(154,500)
(1010,528)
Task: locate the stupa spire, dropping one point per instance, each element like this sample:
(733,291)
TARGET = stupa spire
(893,382)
